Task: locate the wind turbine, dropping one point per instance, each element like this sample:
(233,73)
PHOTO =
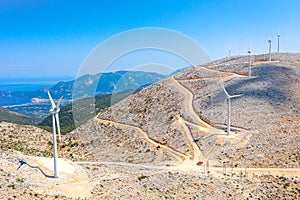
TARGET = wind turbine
(55,120)
(56,113)
(270,43)
(229,97)
(249,65)
(278,36)
(229,52)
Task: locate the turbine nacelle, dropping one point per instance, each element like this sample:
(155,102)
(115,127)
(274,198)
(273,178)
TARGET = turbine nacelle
(54,110)
(278,34)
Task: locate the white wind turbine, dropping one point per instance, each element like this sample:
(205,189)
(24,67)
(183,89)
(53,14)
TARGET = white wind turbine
(249,65)
(56,113)
(278,36)
(55,120)
(229,97)
(270,47)
(229,52)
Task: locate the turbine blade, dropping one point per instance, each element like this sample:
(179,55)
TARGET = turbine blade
(234,96)
(224,90)
(51,100)
(57,121)
(59,102)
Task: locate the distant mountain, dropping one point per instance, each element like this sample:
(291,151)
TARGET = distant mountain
(105,83)
(36,103)
(14,117)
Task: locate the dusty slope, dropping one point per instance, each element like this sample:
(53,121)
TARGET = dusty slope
(157,127)
(267,115)
(31,140)
(34,146)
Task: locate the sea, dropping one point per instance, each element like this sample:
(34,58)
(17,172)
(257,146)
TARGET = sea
(29,84)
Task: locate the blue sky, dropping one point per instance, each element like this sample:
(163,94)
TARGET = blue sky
(52,38)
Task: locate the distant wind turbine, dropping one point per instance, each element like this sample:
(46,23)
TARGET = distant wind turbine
(229,51)
(55,120)
(249,65)
(278,36)
(270,48)
(229,97)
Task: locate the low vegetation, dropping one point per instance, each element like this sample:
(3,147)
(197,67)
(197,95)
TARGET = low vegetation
(14,117)
(66,113)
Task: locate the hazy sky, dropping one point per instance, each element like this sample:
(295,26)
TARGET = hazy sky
(53,37)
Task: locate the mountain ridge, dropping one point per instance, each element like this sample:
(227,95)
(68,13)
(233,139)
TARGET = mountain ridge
(36,103)
(105,85)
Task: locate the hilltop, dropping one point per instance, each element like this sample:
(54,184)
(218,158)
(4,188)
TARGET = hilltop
(190,105)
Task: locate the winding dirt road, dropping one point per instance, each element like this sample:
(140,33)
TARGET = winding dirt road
(180,156)
(197,154)
(187,108)
(195,168)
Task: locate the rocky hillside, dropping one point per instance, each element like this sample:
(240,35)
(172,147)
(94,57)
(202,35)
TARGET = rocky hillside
(67,123)
(34,141)
(184,117)
(148,145)
(15,117)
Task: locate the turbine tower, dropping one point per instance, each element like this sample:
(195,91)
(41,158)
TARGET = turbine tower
(249,65)
(278,36)
(270,43)
(229,97)
(55,120)
(229,51)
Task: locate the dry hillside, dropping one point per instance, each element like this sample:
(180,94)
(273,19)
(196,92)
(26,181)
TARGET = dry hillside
(158,124)
(148,145)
